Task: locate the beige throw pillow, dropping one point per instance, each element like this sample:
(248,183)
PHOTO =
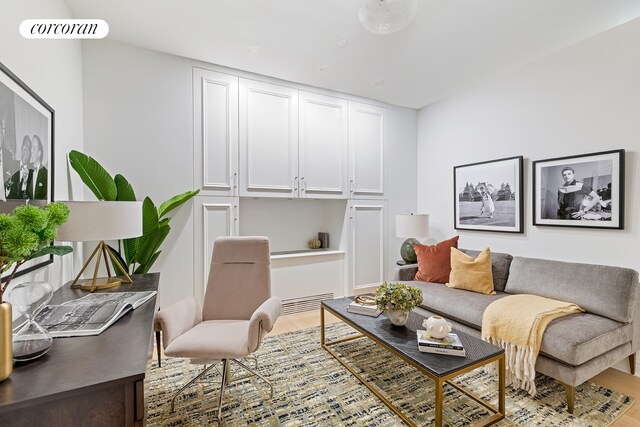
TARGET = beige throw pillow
(471,274)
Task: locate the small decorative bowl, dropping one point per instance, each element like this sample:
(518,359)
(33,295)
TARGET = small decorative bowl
(314,244)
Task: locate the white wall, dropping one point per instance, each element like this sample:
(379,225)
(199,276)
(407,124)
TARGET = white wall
(582,99)
(52,69)
(138,122)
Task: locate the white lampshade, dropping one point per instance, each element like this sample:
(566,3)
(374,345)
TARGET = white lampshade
(411,225)
(387,16)
(95,221)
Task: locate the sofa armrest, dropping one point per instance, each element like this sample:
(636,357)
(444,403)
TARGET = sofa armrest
(405,272)
(635,339)
(177,318)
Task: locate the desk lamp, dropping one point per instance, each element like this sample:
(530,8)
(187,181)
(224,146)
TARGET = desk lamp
(100,221)
(411,226)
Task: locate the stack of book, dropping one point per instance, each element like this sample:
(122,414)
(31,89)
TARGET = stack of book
(367,309)
(450,345)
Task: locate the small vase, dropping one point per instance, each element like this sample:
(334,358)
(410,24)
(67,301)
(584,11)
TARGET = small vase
(398,317)
(6,356)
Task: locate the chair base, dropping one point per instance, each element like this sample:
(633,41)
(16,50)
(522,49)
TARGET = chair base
(226,380)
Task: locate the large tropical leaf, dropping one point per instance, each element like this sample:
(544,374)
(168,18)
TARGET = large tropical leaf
(53,250)
(118,271)
(150,243)
(149,216)
(175,201)
(130,248)
(94,176)
(125,190)
(144,268)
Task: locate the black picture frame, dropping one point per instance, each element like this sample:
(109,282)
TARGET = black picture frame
(25,120)
(559,203)
(488,196)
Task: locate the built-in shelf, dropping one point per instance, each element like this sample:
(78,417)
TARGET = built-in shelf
(304,253)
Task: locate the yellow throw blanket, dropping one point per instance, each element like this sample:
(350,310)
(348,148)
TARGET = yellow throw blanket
(516,323)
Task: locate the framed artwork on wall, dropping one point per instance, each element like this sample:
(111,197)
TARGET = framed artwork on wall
(586,190)
(488,196)
(26,151)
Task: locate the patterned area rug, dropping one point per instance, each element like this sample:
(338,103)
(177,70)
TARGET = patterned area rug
(313,389)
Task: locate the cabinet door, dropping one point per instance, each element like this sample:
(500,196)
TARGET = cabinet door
(268,140)
(323,146)
(366,151)
(213,217)
(366,244)
(215,132)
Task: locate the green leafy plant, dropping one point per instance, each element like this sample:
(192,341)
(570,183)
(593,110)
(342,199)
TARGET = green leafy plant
(140,253)
(398,296)
(27,233)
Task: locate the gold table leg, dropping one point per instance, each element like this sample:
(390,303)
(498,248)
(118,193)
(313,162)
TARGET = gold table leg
(439,391)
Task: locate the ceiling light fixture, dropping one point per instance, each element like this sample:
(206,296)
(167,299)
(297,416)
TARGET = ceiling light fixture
(387,16)
(342,43)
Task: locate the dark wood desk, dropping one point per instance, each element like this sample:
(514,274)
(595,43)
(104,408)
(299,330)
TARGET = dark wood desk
(86,381)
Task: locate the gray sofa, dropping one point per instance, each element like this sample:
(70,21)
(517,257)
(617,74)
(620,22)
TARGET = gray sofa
(574,348)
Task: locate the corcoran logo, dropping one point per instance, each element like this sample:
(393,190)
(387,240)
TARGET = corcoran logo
(64,29)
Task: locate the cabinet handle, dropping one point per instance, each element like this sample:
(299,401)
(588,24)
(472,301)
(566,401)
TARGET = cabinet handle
(234,183)
(295,185)
(351,186)
(303,185)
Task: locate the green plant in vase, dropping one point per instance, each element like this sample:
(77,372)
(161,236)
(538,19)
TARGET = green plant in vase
(25,234)
(140,253)
(397,300)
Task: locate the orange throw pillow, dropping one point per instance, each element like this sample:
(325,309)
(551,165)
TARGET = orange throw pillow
(434,261)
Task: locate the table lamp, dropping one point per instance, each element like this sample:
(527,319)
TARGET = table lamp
(100,221)
(411,226)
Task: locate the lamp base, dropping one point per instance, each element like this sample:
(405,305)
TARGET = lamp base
(100,283)
(406,251)
(96,283)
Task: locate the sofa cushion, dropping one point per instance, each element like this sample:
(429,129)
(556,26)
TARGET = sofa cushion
(471,274)
(599,289)
(500,264)
(578,338)
(434,261)
(455,304)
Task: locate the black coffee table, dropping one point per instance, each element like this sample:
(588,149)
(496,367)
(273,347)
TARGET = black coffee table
(401,341)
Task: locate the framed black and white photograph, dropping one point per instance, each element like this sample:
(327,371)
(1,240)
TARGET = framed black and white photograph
(488,196)
(586,190)
(26,150)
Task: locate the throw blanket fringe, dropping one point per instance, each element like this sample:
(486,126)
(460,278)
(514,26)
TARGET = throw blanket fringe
(516,323)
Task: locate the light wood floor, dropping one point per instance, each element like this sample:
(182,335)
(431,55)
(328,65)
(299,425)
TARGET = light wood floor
(611,378)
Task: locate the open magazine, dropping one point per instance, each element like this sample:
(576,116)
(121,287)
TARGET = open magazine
(91,314)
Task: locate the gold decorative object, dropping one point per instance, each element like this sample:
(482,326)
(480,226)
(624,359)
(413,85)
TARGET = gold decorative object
(314,244)
(366,299)
(6,353)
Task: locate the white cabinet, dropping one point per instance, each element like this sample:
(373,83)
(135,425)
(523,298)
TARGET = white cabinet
(215,132)
(292,144)
(268,140)
(213,217)
(366,151)
(367,228)
(323,146)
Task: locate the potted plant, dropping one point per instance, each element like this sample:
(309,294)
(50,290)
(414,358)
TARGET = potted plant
(397,300)
(26,233)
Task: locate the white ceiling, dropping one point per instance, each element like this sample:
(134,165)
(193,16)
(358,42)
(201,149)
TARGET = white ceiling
(450,45)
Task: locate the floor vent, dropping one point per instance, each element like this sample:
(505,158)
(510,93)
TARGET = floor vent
(309,303)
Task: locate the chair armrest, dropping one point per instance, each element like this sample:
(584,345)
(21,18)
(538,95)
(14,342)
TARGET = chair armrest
(177,318)
(267,314)
(405,272)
